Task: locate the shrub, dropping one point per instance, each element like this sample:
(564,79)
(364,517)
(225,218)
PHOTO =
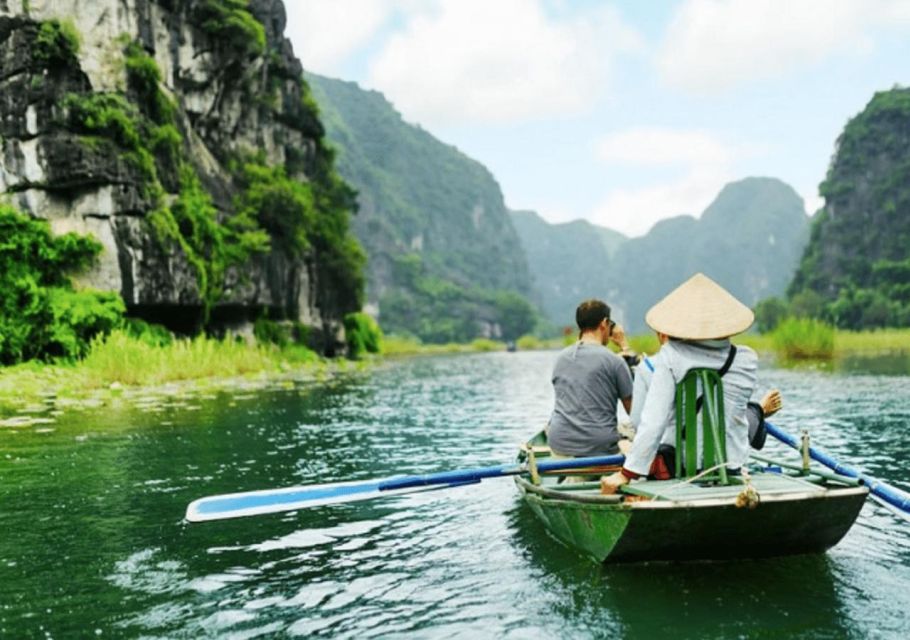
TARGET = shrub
(270,332)
(230,24)
(803,338)
(485,344)
(143,77)
(40,314)
(77,317)
(363,334)
(529,342)
(57,43)
(282,206)
(769,313)
(153,335)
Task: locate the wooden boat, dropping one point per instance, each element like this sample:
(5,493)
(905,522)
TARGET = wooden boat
(796,511)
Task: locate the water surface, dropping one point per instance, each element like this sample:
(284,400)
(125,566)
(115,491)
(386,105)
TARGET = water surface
(93,542)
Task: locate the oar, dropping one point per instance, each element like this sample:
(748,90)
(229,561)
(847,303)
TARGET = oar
(254,503)
(887,493)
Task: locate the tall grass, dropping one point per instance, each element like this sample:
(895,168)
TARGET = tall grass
(804,338)
(121,358)
(876,341)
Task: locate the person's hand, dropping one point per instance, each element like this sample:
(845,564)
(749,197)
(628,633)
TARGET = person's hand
(618,336)
(771,403)
(610,484)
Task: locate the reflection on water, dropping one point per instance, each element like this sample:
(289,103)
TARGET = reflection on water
(883,364)
(94,541)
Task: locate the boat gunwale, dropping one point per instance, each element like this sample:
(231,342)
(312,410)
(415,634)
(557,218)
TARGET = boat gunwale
(567,498)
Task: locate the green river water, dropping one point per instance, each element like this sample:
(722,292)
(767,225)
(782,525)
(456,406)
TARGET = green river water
(93,542)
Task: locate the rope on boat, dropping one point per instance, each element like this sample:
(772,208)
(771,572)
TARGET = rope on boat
(704,473)
(748,497)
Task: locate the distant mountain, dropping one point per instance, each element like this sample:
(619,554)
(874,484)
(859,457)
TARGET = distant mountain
(569,262)
(856,269)
(444,261)
(749,240)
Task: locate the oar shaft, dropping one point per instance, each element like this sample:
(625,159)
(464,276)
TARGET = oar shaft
(891,495)
(480,473)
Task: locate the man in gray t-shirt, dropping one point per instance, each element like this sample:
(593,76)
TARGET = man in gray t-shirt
(589,380)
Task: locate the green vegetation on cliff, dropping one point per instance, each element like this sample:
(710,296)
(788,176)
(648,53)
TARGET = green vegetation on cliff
(217,215)
(445,262)
(855,271)
(41,314)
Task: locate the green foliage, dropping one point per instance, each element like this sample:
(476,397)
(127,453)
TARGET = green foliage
(485,344)
(57,42)
(515,314)
(282,206)
(112,116)
(303,217)
(363,335)
(440,311)
(421,193)
(769,313)
(801,338)
(79,316)
(153,335)
(231,26)
(143,77)
(270,332)
(40,314)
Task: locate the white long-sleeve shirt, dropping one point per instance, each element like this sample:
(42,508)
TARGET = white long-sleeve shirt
(673,361)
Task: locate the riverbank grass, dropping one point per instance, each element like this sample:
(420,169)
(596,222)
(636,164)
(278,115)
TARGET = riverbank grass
(122,360)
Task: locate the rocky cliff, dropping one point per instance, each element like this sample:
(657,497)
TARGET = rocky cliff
(445,260)
(569,262)
(749,240)
(856,269)
(182,136)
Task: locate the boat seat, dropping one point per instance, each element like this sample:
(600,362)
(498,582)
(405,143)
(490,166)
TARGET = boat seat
(701,415)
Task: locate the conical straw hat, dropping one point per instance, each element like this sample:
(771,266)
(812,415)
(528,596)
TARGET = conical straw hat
(700,309)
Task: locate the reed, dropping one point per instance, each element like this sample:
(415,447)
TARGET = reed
(875,341)
(803,339)
(125,360)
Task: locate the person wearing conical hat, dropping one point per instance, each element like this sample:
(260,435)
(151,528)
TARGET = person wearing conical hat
(699,317)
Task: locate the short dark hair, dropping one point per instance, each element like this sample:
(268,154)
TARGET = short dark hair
(590,313)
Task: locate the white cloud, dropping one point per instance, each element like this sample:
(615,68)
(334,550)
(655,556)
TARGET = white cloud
(658,146)
(813,202)
(703,163)
(326,32)
(504,61)
(714,44)
(634,211)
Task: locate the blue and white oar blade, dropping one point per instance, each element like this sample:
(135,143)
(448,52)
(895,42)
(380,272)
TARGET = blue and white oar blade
(255,503)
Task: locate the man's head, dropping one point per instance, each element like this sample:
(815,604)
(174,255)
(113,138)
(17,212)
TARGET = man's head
(593,316)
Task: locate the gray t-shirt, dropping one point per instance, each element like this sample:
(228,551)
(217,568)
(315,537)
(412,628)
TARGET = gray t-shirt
(588,380)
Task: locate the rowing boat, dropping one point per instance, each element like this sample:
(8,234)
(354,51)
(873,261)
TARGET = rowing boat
(777,508)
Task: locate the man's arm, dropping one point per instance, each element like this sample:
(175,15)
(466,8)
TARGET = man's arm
(627,404)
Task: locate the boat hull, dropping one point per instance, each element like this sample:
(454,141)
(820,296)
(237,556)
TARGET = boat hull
(704,530)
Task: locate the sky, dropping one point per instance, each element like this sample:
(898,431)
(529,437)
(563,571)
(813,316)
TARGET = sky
(619,112)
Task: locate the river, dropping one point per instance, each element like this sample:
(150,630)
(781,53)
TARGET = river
(93,542)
